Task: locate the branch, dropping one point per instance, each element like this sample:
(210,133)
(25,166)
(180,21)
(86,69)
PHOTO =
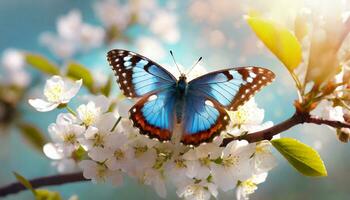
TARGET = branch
(297,118)
(267,134)
(42,181)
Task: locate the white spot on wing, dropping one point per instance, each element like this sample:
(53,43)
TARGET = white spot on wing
(252,74)
(152,97)
(249,80)
(209,103)
(126,58)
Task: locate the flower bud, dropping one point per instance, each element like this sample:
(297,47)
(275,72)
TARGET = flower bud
(343,135)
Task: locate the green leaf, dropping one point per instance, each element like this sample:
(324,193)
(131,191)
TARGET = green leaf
(279,40)
(24,182)
(302,157)
(77,71)
(41,63)
(42,194)
(106,89)
(33,135)
(79,154)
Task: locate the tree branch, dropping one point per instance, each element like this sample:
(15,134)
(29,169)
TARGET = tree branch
(297,118)
(267,134)
(43,181)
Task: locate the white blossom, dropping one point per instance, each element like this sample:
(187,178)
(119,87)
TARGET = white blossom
(100,173)
(61,160)
(96,136)
(197,191)
(249,186)
(57,92)
(327,111)
(199,160)
(262,159)
(73,35)
(66,135)
(13,63)
(248,118)
(90,113)
(120,155)
(113,14)
(156,179)
(233,166)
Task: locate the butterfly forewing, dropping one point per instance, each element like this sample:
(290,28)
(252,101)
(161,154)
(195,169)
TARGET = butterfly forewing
(137,75)
(231,87)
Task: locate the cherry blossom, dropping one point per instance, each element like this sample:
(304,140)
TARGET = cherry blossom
(57,92)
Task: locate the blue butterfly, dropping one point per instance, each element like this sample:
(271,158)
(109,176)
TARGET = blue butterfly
(198,107)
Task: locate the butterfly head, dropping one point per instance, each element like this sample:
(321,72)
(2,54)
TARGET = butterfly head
(182,82)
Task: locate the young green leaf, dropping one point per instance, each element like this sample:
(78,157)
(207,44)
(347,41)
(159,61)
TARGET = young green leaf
(33,135)
(43,64)
(106,89)
(302,157)
(77,71)
(279,40)
(42,194)
(24,182)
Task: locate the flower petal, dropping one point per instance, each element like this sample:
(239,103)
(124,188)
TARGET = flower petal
(41,105)
(69,94)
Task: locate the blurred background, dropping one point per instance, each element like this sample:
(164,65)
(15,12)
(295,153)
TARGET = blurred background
(84,30)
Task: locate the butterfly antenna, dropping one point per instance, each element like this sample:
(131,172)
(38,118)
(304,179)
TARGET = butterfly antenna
(200,58)
(172,55)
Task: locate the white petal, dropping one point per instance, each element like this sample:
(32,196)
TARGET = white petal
(105,122)
(99,154)
(77,129)
(102,102)
(65,119)
(66,166)
(74,89)
(223,178)
(54,80)
(213,189)
(41,105)
(90,132)
(55,132)
(259,178)
(89,169)
(124,107)
(116,140)
(51,152)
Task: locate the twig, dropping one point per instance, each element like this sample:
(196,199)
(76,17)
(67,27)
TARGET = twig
(43,181)
(267,134)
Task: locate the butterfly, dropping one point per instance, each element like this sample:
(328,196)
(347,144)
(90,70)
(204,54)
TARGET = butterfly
(197,108)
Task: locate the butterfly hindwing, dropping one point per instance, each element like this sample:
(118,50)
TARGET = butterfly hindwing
(138,75)
(203,120)
(231,88)
(153,114)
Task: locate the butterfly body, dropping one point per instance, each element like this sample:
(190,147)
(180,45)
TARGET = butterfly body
(197,107)
(181,91)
